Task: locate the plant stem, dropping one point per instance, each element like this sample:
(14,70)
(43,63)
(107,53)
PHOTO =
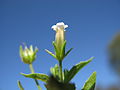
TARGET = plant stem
(31,68)
(20,85)
(32,71)
(60,68)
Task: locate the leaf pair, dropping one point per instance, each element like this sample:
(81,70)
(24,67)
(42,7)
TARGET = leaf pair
(60,53)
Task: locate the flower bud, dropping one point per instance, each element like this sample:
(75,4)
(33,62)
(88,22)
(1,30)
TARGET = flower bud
(28,55)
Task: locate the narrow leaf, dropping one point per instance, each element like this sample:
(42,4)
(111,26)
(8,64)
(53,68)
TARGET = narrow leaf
(68,52)
(65,73)
(62,53)
(50,53)
(20,85)
(75,69)
(56,51)
(38,76)
(90,83)
(55,48)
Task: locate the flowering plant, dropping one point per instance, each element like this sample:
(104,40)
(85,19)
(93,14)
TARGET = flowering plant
(60,79)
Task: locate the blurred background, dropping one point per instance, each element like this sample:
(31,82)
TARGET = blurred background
(94,27)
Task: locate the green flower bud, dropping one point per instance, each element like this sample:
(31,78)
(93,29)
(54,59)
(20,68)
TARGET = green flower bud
(28,55)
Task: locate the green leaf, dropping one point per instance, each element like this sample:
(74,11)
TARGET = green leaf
(56,51)
(55,48)
(38,76)
(68,52)
(65,73)
(62,53)
(75,69)
(50,53)
(20,85)
(55,71)
(90,83)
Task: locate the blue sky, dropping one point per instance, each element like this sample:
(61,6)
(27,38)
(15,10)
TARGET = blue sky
(92,25)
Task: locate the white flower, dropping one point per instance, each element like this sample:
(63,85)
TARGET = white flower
(60,34)
(59,26)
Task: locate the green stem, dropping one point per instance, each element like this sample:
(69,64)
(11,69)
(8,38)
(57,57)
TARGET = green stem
(32,71)
(31,68)
(20,85)
(60,68)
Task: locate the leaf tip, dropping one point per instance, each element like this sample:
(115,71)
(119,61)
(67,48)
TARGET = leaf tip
(90,59)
